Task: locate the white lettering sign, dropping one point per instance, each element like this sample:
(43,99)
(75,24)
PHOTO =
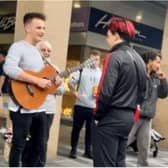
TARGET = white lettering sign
(138,33)
(6,22)
(103,21)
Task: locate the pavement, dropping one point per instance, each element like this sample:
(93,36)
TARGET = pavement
(62,159)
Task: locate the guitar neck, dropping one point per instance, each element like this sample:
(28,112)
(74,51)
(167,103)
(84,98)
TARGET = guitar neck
(68,71)
(71,70)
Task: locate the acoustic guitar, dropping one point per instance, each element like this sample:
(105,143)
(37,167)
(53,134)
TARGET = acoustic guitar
(30,96)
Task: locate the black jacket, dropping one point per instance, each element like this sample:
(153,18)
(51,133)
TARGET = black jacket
(124,81)
(155,88)
(5,87)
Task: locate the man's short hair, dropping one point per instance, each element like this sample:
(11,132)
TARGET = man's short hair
(44,43)
(3,52)
(95,52)
(150,55)
(28,17)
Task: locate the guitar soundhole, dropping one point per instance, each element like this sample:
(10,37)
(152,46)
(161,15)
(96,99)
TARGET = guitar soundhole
(30,89)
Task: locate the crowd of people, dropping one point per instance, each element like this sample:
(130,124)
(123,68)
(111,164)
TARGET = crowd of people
(116,103)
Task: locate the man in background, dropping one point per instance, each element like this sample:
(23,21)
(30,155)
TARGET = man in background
(156,87)
(86,81)
(3,78)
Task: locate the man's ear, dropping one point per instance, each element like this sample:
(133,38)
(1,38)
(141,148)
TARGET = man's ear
(27,27)
(150,61)
(117,36)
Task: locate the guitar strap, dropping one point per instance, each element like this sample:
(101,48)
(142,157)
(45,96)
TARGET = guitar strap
(47,62)
(80,75)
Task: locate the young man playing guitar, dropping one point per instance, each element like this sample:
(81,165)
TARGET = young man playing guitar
(23,55)
(45,49)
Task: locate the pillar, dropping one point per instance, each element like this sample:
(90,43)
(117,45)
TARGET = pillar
(57,33)
(161,120)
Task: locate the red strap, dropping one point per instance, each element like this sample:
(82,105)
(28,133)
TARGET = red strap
(105,65)
(137,114)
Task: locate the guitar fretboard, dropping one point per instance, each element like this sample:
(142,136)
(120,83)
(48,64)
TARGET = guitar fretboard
(76,68)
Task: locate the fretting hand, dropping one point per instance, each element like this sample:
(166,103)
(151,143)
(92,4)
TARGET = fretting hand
(77,95)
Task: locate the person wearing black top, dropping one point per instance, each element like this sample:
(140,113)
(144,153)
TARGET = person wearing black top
(121,89)
(3,77)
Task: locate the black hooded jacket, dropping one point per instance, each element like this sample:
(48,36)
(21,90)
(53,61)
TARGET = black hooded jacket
(124,82)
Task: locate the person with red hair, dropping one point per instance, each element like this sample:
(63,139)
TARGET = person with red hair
(121,89)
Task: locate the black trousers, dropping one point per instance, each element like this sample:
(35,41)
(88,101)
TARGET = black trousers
(31,144)
(109,138)
(80,116)
(21,127)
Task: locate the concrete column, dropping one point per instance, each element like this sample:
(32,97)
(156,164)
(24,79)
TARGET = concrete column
(57,27)
(161,120)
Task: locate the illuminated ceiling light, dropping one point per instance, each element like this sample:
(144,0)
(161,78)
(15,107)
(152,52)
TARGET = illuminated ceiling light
(139,17)
(77,5)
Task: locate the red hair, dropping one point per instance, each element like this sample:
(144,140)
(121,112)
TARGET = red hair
(122,26)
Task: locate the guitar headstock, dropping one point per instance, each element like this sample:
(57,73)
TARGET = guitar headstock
(89,62)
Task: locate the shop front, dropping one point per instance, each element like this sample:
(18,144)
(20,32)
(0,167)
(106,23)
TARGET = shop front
(88,31)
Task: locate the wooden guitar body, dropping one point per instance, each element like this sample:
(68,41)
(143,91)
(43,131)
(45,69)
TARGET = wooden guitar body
(30,96)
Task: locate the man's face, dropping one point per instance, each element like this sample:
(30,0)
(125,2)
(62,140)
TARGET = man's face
(35,29)
(155,64)
(45,51)
(111,38)
(96,58)
(2,58)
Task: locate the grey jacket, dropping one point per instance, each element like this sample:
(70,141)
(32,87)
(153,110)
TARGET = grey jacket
(155,89)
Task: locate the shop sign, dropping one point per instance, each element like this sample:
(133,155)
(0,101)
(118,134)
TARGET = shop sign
(7,23)
(145,35)
(80,19)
